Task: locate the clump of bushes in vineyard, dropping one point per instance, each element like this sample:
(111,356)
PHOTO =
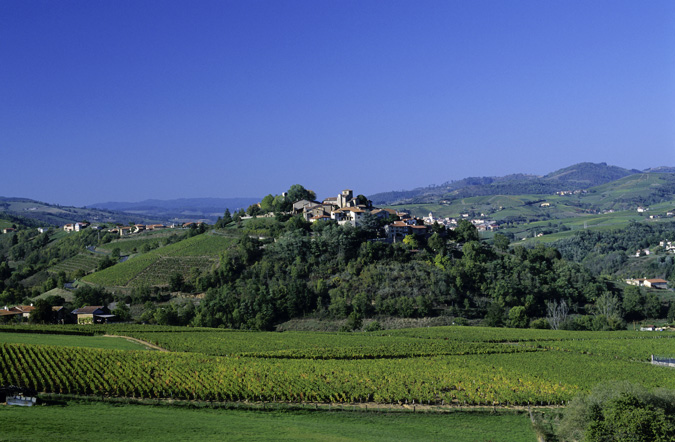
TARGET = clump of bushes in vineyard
(620,412)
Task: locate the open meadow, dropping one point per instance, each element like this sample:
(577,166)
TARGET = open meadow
(151,423)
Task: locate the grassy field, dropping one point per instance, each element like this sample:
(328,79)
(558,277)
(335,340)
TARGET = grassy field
(148,423)
(70,341)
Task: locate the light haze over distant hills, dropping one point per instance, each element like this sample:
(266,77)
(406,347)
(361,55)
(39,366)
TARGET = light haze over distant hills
(128,101)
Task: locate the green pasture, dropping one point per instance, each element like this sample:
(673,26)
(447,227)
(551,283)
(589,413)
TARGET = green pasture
(117,423)
(69,341)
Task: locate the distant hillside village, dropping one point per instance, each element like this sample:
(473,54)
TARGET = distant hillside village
(126,230)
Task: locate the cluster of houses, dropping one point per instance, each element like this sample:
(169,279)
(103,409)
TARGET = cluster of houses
(481,224)
(667,246)
(669,213)
(136,228)
(91,314)
(571,192)
(75,227)
(650,283)
(346,209)
(125,230)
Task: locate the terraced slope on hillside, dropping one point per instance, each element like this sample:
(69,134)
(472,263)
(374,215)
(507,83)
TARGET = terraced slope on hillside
(154,268)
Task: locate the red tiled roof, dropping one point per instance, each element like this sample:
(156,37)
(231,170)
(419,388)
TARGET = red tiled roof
(22,308)
(399,224)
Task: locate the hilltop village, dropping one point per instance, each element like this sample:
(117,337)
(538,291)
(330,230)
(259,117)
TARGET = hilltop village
(345,208)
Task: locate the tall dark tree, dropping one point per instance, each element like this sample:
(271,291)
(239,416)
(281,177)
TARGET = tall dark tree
(298,192)
(42,314)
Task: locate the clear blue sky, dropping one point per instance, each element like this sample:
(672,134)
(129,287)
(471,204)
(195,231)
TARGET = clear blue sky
(128,100)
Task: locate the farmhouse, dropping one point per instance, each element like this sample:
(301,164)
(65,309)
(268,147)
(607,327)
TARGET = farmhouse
(668,246)
(18,311)
(651,283)
(75,227)
(25,310)
(8,315)
(656,283)
(8,230)
(92,314)
(638,282)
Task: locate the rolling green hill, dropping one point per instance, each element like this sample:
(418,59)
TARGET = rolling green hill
(609,205)
(576,177)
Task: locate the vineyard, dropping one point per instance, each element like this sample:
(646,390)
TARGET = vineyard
(84,261)
(159,272)
(155,267)
(433,380)
(435,366)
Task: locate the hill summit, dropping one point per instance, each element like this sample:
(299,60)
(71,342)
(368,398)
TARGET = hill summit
(575,177)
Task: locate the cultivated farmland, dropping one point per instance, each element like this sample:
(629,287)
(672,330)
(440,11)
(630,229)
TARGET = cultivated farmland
(156,266)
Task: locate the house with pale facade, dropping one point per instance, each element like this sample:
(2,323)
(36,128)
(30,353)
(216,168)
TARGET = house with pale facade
(656,283)
(75,227)
(351,215)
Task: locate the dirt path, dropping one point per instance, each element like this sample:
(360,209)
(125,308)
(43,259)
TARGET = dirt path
(138,341)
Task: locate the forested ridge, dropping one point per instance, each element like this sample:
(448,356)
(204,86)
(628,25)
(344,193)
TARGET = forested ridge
(330,271)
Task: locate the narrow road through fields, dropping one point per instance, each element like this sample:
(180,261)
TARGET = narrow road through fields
(138,341)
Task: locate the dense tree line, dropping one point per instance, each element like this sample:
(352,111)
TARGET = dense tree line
(27,252)
(332,271)
(618,412)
